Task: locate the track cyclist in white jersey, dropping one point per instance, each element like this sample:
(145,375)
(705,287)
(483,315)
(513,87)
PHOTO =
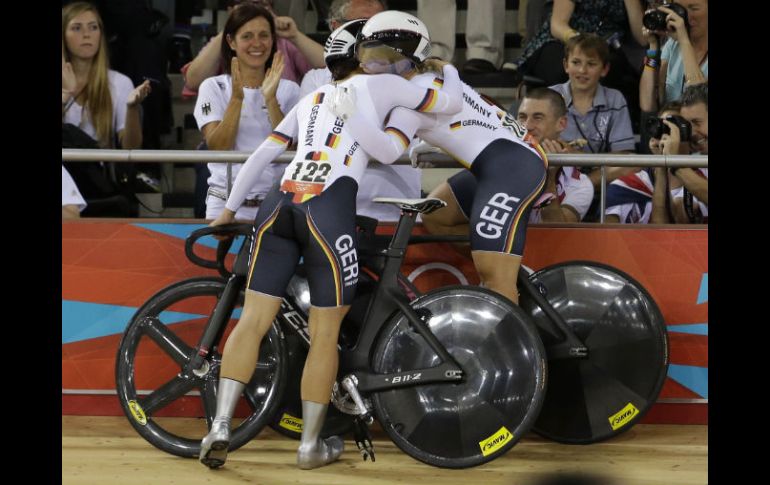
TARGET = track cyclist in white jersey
(506,167)
(311,214)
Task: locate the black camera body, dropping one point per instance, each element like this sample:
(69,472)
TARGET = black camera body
(655,20)
(656,128)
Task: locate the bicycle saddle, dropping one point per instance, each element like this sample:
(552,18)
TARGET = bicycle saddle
(423,206)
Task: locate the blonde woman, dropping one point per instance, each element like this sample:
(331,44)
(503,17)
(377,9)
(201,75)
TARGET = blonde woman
(101,102)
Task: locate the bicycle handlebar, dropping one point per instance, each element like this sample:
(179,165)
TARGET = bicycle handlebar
(232,230)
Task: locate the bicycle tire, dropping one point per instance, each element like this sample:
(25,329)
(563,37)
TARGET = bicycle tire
(460,425)
(187,305)
(599,397)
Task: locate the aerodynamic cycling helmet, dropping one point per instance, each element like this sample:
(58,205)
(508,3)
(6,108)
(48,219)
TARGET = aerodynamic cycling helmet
(402,32)
(341,43)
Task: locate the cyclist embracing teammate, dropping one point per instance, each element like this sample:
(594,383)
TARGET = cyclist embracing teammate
(311,214)
(506,167)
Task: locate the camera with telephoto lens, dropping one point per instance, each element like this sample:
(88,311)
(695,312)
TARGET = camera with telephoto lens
(655,20)
(656,128)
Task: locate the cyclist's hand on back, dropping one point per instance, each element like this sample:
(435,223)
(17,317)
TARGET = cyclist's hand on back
(418,149)
(343,102)
(225,217)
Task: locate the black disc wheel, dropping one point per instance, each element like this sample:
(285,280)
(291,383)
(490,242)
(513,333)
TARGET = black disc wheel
(459,425)
(594,398)
(154,379)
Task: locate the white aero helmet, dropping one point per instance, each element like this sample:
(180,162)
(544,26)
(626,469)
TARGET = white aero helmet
(402,32)
(341,43)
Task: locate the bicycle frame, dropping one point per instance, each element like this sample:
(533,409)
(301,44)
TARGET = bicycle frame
(215,327)
(388,298)
(570,346)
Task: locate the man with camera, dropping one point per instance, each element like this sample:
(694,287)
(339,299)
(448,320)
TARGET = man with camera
(641,197)
(690,202)
(683,60)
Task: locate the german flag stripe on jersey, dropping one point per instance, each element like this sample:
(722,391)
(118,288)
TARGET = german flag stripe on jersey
(399,134)
(428,101)
(454,126)
(522,209)
(330,256)
(534,144)
(258,240)
(438,82)
(332,140)
(279,138)
(316,156)
(319,98)
(347,160)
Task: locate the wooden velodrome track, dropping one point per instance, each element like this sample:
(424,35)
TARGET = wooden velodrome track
(106,450)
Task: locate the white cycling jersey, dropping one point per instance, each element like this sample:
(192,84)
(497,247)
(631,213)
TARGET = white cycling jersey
(463,135)
(326,150)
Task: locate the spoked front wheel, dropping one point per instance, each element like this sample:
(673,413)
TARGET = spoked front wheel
(153,380)
(459,425)
(592,399)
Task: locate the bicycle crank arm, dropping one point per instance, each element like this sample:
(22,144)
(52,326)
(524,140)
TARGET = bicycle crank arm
(443,373)
(350,384)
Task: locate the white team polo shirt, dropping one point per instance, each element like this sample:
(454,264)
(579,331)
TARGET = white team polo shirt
(253,128)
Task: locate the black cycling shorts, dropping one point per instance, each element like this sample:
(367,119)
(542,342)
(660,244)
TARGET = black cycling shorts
(496,195)
(322,230)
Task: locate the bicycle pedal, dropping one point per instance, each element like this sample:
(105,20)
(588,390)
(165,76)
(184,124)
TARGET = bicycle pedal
(363,438)
(368,454)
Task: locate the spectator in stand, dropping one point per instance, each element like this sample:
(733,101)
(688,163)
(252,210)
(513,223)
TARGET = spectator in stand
(598,116)
(690,202)
(641,197)
(239,109)
(72,203)
(301,53)
(616,21)
(682,62)
(379,180)
(484,32)
(684,59)
(101,102)
(568,192)
(340,11)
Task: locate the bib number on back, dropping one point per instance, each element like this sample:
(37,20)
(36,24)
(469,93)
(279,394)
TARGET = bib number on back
(315,172)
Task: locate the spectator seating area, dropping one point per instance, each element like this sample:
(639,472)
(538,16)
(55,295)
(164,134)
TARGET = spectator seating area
(178,180)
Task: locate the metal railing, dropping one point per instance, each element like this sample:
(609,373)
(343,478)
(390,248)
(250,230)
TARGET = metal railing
(435,160)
